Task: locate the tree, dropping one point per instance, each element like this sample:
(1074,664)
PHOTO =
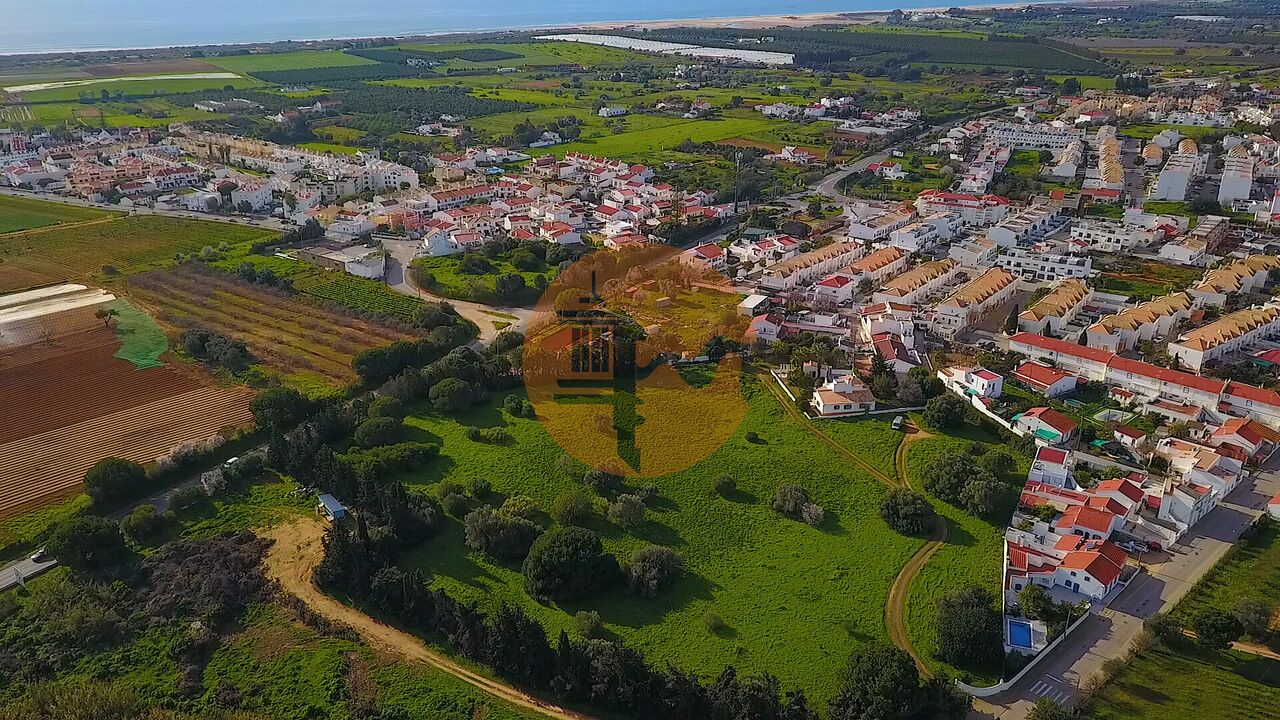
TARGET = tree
(510,286)
(949,474)
(143,524)
(880,682)
(652,570)
(88,544)
(506,537)
(1071,86)
(106,315)
(573,508)
(970,630)
(451,395)
(377,432)
(1035,602)
(1048,709)
(980,496)
(386,406)
(566,564)
(944,412)
(279,408)
(793,501)
(1163,627)
(998,462)
(113,479)
(1254,615)
(627,511)
(1216,629)
(907,512)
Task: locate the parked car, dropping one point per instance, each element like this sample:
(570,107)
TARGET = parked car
(40,556)
(898,422)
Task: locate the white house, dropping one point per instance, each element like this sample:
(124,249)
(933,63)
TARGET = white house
(843,396)
(1048,381)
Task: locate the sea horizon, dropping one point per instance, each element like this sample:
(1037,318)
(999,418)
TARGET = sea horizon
(150,25)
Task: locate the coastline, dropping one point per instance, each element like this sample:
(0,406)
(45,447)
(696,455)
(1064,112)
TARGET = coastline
(746,22)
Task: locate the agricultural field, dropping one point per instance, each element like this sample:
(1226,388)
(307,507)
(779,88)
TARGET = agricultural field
(138,88)
(301,60)
(17,213)
(1146,131)
(1251,569)
(760,591)
(1188,681)
(297,339)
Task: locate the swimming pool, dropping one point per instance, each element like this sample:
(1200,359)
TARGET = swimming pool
(1020,634)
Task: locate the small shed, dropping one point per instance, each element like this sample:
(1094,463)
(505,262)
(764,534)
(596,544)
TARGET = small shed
(331,508)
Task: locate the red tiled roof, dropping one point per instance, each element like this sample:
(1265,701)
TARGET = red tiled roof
(1097,564)
(1039,376)
(1053,456)
(1083,516)
(1053,419)
(1256,394)
(1062,347)
(1173,377)
(1130,432)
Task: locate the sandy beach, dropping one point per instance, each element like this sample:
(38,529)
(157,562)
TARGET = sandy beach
(757,22)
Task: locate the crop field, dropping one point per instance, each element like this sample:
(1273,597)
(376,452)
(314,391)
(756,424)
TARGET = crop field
(301,60)
(287,335)
(793,599)
(139,88)
(17,213)
(1187,681)
(128,244)
(657,143)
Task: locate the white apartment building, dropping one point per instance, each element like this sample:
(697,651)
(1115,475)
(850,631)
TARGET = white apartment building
(1113,236)
(1242,276)
(1055,310)
(927,233)
(1041,136)
(1040,267)
(977,252)
(805,268)
(968,304)
(1027,227)
(876,221)
(974,210)
(1176,176)
(1237,331)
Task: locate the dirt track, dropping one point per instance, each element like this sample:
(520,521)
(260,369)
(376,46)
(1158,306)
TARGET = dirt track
(292,562)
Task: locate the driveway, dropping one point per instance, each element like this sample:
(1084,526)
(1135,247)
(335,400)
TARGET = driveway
(1109,633)
(400,254)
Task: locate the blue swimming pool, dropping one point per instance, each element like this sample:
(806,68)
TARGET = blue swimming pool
(1020,634)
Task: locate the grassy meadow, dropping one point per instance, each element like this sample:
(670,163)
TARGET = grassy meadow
(18,213)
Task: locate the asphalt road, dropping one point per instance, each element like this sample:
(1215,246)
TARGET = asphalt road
(23,569)
(1109,633)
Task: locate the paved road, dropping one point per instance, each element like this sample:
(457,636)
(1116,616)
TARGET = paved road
(24,569)
(1109,633)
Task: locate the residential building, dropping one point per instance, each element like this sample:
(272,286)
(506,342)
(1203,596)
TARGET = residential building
(974,210)
(842,397)
(1231,333)
(1176,176)
(968,304)
(1240,277)
(1027,227)
(1043,267)
(1113,236)
(875,221)
(888,317)
(1154,318)
(976,252)
(1041,136)
(358,260)
(1195,247)
(1046,425)
(880,264)
(1052,466)
(920,282)
(1057,309)
(1237,177)
(1048,381)
(805,268)
(972,381)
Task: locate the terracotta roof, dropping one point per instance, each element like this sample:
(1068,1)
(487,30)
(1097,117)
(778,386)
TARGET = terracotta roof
(1098,564)
(1039,376)
(877,260)
(981,289)
(1130,432)
(1230,278)
(1250,430)
(1053,456)
(918,277)
(1229,327)
(1062,347)
(1165,375)
(1052,418)
(1058,302)
(1144,314)
(1124,487)
(1083,516)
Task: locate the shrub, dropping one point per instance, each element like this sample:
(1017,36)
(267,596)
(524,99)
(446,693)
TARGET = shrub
(713,623)
(573,508)
(753,437)
(998,463)
(812,514)
(388,407)
(793,501)
(1216,629)
(455,504)
(588,623)
(187,497)
(627,511)
(88,543)
(724,486)
(492,436)
(479,488)
(652,570)
(566,564)
(1164,627)
(377,432)
(501,536)
(970,631)
(907,512)
(980,496)
(601,481)
(1254,615)
(520,506)
(143,524)
(451,395)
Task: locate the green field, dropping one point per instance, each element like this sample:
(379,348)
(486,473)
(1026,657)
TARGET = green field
(139,88)
(794,599)
(19,213)
(656,144)
(451,282)
(129,244)
(288,61)
(330,148)
(1187,681)
(1146,131)
(1250,569)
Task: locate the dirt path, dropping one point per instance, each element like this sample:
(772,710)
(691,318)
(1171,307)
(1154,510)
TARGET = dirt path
(292,561)
(895,609)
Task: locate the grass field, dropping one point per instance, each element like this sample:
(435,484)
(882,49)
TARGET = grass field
(657,143)
(872,439)
(301,60)
(1146,131)
(1250,569)
(330,148)
(1187,681)
(139,88)
(451,282)
(17,213)
(128,244)
(793,599)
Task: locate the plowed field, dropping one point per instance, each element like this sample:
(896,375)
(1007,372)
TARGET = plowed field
(285,334)
(66,382)
(42,467)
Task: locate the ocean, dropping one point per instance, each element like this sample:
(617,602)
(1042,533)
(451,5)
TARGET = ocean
(68,25)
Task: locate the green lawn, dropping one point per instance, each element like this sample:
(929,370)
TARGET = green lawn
(451,282)
(795,599)
(1188,681)
(874,440)
(301,60)
(1146,131)
(646,145)
(19,213)
(1024,162)
(137,88)
(1250,569)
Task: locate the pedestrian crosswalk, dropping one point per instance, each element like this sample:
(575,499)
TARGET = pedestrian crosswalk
(1052,688)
